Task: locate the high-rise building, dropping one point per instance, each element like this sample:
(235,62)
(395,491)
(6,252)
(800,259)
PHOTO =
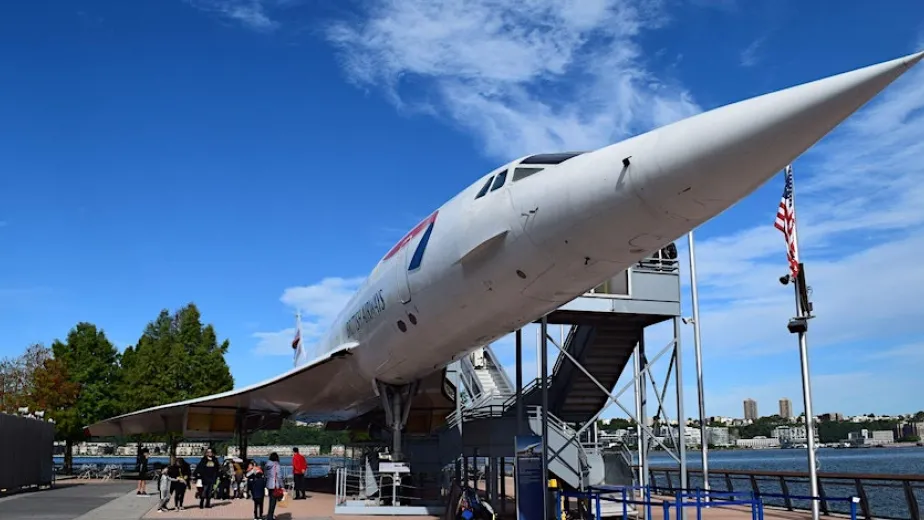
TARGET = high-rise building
(785,408)
(750,410)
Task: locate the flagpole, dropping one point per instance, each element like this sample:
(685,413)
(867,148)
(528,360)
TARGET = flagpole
(799,325)
(298,334)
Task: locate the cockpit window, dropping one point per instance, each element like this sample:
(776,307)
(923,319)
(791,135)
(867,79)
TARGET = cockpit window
(484,189)
(499,180)
(521,173)
(551,158)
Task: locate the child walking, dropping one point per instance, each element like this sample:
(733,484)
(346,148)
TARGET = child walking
(165,481)
(256,485)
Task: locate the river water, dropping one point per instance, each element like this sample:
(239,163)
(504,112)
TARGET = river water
(886,499)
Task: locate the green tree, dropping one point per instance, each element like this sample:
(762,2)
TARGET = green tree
(91,364)
(176,358)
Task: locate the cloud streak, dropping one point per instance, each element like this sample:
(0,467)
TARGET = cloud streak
(749,56)
(543,76)
(319,304)
(252,14)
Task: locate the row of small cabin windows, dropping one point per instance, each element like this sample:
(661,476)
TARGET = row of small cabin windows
(498,180)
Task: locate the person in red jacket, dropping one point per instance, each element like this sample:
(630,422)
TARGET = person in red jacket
(299,469)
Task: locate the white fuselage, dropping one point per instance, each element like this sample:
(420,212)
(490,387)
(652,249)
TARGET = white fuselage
(496,262)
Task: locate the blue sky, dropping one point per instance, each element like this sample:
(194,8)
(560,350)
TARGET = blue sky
(257,156)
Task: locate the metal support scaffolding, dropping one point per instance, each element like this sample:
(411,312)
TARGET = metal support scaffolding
(643,373)
(544,382)
(698,352)
(520,413)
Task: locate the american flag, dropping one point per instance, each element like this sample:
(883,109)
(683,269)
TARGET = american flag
(786,222)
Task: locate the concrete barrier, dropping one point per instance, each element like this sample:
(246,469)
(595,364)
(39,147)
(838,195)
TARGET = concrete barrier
(26,449)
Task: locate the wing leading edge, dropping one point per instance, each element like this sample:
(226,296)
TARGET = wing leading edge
(313,388)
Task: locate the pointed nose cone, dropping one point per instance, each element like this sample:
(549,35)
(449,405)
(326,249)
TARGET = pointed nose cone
(696,168)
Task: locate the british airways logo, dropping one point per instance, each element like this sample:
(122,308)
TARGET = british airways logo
(425,227)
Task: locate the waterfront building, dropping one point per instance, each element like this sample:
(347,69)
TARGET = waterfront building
(758,443)
(131,450)
(786,408)
(93,449)
(719,436)
(866,437)
(191,449)
(788,435)
(282,451)
(750,410)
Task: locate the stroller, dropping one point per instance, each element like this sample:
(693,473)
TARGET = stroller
(472,507)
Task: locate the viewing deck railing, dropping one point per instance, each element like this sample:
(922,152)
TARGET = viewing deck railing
(881,495)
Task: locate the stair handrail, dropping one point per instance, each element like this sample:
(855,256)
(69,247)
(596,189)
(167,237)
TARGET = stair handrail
(469,379)
(491,358)
(561,357)
(572,438)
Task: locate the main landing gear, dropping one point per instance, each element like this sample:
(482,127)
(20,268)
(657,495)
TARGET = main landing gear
(396,400)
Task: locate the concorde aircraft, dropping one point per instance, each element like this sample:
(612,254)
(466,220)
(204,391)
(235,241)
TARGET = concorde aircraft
(519,242)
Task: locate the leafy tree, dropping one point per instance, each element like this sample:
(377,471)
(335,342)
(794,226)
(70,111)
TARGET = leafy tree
(17,377)
(90,362)
(176,358)
(12,383)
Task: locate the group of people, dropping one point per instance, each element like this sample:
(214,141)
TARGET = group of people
(213,479)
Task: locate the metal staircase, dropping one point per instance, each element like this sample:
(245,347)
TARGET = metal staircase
(603,350)
(484,377)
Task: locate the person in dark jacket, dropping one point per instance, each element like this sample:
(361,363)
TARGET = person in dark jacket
(207,469)
(142,465)
(256,487)
(179,479)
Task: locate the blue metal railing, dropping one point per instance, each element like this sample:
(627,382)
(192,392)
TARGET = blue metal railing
(698,498)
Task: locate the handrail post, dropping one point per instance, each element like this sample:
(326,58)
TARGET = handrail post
(558,497)
(625,506)
(913,511)
(853,507)
(822,501)
(784,487)
(864,501)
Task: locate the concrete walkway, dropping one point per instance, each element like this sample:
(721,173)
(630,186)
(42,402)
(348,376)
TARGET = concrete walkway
(77,499)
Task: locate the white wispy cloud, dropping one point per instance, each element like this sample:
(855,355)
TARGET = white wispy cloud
(319,304)
(749,56)
(534,76)
(253,14)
